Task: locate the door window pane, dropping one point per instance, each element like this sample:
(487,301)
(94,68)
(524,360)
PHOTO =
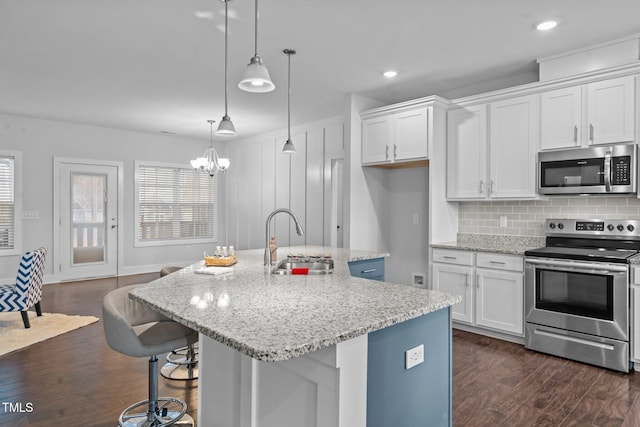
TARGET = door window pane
(88,208)
(582,294)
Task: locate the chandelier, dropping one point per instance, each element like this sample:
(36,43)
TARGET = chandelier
(210,162)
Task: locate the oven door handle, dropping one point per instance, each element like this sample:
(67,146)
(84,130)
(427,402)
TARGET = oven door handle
(578,266)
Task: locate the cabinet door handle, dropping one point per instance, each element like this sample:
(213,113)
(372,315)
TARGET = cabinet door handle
(386,152)
(591,132)
(497,262)
(481,187)
(468,279)
(449,257)
(477,281)
(575,134)
(492,188)
(395,151)
(371,270)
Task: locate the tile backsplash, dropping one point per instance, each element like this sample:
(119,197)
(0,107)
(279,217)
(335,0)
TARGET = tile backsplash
(526,218)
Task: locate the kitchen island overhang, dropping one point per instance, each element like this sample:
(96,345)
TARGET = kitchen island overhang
(286,318)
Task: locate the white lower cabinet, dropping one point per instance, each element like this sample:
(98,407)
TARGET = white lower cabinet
(456,280)
(491,286)
(500,300)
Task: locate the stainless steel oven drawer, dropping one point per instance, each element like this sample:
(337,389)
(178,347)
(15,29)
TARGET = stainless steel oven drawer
(605,352)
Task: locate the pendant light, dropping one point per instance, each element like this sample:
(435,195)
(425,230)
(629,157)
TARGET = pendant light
(256,76)
(289,148)
(210,162)
(226,128)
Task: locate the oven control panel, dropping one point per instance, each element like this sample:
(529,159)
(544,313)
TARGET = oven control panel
(628,228)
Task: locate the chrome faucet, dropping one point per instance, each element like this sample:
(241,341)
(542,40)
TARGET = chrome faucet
(299,231)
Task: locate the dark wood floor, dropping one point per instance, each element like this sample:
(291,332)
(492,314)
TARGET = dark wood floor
(75,379)
(499,383)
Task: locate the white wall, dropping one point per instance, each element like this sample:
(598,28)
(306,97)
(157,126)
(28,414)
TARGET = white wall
(364,188)
(41,140)
(264,179)
(408,201)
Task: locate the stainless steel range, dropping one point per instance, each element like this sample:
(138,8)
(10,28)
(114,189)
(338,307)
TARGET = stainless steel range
(577,291)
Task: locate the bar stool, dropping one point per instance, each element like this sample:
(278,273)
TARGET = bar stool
(182,363)
(135,330)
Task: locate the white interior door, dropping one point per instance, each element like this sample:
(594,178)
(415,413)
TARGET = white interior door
(88,220)
(336,203)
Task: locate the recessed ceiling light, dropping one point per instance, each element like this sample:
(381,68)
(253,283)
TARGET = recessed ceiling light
(389,74)
(546,25)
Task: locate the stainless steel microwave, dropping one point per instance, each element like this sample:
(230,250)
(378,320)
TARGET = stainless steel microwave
(606,169)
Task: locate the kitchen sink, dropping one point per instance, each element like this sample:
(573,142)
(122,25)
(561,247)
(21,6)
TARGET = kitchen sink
(301,267)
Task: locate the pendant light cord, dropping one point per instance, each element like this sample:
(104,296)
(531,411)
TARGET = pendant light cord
(211,136)
(226,53)
(289,97)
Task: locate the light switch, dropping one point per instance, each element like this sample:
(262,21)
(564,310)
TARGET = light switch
(30,215)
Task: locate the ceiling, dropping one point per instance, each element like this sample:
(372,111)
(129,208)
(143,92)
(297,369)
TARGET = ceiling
(158,65)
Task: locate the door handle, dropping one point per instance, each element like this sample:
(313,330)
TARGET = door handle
(607,171)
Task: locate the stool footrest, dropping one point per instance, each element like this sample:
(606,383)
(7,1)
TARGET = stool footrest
(169,411)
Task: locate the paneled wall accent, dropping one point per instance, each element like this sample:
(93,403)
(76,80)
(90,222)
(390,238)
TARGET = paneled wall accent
(261,178)
(526,218)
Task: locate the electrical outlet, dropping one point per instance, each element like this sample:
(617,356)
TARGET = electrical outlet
(503,221)
(414,356)
(418,279)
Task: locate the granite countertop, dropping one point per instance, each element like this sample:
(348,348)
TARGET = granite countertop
(513,245)
(273,317)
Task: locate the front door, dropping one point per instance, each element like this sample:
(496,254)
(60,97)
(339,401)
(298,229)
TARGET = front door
(88,220)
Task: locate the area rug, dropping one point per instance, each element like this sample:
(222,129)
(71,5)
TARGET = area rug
(14,336)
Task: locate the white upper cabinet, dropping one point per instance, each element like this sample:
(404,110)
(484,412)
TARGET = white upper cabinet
(467,152)
(395,136)
(601,112)
(376,135)
(561,112)
(514,134)
(498,162)
(610,110)
(410,132)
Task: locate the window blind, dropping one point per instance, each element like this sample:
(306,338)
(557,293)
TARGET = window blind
(174,204)
(7,202)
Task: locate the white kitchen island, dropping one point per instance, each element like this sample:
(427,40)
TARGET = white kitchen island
(316,350)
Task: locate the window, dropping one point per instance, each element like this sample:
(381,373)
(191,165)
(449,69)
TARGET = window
(9,202)
(173,205)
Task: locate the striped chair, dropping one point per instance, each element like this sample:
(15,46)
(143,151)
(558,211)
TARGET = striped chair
(27,290)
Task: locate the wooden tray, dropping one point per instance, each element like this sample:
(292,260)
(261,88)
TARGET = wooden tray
(220,261)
